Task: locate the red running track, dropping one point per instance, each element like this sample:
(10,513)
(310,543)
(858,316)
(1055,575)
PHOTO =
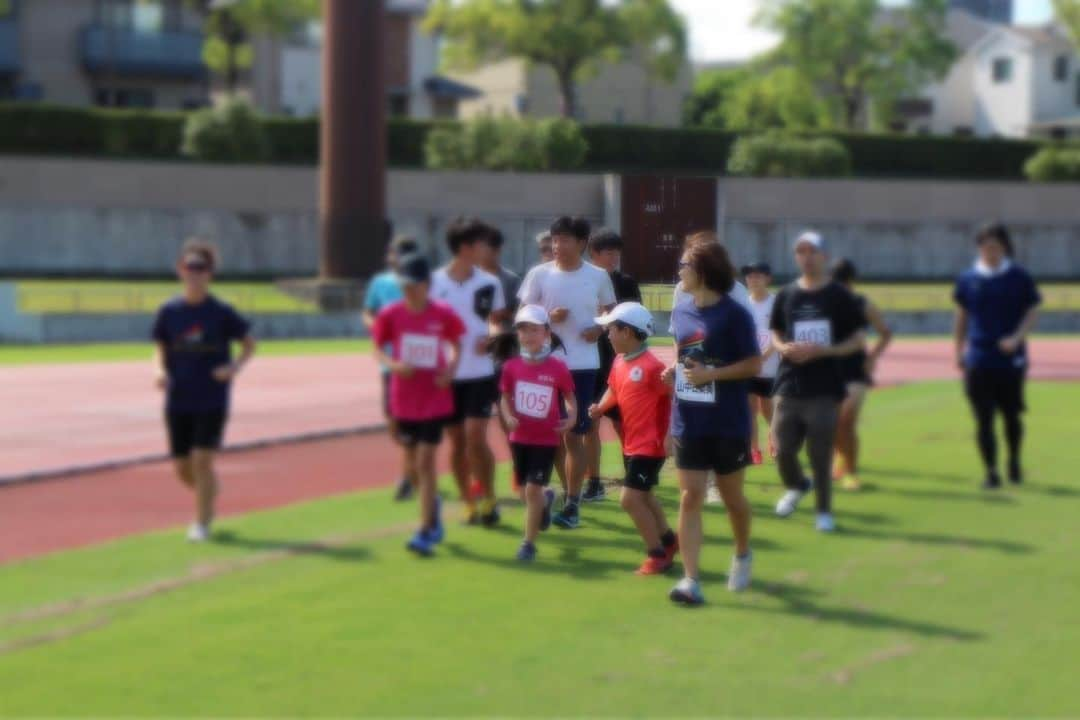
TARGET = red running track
(303,395)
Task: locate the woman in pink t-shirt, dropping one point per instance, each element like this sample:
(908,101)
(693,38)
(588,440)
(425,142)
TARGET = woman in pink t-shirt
(419,333)
(539,407)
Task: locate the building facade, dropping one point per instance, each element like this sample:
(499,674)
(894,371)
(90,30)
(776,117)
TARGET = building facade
(620,93)
(118,53)
(287,75)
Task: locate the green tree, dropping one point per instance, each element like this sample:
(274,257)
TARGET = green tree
(569,36)
(712,92)
(855,51)
(230,24)
(1068,13)
(777,98)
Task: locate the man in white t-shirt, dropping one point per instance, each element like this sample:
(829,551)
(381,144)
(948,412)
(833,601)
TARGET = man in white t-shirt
(573,292)
(758,279)
(477,298)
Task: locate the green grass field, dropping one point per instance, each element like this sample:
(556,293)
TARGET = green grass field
(933,599)
(116,296)
(903,297)
(117,352)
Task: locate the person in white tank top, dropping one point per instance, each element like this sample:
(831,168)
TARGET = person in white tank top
(758,278)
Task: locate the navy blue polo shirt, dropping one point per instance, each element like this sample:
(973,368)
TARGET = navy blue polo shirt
(995,304)
(197,339)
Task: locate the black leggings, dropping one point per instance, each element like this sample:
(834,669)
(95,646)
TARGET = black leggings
(989,391)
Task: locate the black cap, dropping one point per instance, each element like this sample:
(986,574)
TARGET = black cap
(413,269)
(761,268)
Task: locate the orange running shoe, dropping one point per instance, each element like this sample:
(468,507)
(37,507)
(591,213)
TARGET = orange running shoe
(755,457)
(672,551)
(655,566)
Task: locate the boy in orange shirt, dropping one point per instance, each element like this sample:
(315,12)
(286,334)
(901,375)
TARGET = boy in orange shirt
(644,401)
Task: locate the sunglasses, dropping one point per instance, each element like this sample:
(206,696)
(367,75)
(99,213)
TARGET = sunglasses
(196,267)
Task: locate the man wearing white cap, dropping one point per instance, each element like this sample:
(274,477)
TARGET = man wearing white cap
(815,321)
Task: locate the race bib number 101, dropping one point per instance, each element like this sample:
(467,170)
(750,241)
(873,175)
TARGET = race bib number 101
(813,332)
(688,392)
(420,351)
(532,400)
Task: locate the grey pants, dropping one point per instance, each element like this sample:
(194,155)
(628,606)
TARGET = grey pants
(813,420)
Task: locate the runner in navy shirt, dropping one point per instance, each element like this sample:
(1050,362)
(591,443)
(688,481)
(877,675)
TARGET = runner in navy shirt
(194,332)
(717,355)
(997,306)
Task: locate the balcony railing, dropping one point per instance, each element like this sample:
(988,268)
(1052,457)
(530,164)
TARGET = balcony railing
(130,52)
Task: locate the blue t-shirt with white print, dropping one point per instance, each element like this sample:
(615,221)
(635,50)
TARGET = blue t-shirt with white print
(996,304)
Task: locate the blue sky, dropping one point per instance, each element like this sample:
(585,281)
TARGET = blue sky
(721,29)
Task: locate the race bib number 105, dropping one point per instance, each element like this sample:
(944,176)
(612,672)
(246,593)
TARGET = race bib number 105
(813,332)
(420,351)
(532,400)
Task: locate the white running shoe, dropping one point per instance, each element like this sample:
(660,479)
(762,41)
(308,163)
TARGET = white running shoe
(739,575)
(789,502)
(825,522)
(198,533)
(713,496)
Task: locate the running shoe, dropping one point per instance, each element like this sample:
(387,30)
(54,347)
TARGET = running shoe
(713,496)
(739,575)
(755,457)
(687,592)
(568,518)
(421,544)
(825,522)
(789,502)
(851,483)
(594,491)
(549,500)
(404,490)
(198,533)
(992,482)
(655,566)
(437,531)
(489,512)
(527,552)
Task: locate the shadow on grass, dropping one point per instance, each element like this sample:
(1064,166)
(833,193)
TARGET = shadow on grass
(800,601)
(976,495)
(351,553)
(1004,546)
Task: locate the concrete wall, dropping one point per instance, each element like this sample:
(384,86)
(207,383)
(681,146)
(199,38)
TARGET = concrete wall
(81,216)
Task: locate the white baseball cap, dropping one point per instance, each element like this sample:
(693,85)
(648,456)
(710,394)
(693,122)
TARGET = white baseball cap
(532,314)
(633,314)
(811,238)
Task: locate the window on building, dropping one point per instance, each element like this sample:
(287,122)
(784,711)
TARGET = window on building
(124,97)
(1061,68)
(148,17)
(620,116)
(1002,70)
(963,131)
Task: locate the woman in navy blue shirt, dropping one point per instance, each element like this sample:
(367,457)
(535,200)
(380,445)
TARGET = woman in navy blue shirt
(717,355)
(997,305)
(194,333)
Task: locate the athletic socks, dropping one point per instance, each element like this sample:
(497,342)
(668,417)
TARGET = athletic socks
(668,539)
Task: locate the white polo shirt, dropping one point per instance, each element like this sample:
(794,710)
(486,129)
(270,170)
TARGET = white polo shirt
(473,300)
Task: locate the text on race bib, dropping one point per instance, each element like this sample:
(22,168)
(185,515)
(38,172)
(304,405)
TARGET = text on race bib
(688,392)
(532,400)
(764,340)
(813,332)
(420,351)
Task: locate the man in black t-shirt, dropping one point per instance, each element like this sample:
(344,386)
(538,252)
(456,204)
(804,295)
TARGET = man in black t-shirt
(605,251)
(815,322)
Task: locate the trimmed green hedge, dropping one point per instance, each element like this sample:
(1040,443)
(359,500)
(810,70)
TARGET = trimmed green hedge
(1059,163)
(52,130)
(777,155)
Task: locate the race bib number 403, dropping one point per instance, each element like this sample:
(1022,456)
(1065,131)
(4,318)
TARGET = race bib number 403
(532,400)
(813,332)
(420,351)
(688,392)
